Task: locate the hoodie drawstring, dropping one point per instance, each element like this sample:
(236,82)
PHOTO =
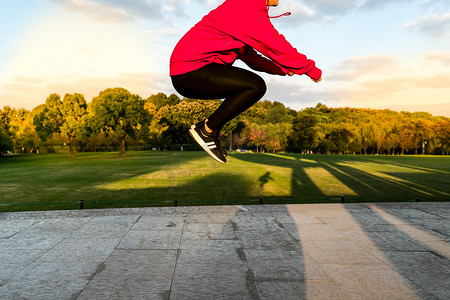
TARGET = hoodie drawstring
(285,14)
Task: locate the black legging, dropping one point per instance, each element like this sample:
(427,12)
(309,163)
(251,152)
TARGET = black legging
(240,88)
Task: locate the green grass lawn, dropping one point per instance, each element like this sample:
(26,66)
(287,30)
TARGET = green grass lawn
(47,182)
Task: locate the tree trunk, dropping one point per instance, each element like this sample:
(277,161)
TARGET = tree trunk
(72,152)
(121,146)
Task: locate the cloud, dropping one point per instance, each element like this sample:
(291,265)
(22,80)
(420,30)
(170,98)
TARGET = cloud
(438,81)
(427,91)
(375,81)
(115,10)
(442,58)
(29,92)
(132,10)
(442,4)
(297,92)
(332,7)
(435,25)
(399,93)
(386,87)
(360,67)
(167,28)
(330,10)
(372,4)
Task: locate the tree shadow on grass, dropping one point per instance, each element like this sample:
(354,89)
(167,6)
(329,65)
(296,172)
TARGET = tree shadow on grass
(214,189)
(55,182)
(423,163)
(328,178)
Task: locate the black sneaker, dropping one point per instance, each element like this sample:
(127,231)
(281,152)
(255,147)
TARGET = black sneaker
(208,141)
(224,152)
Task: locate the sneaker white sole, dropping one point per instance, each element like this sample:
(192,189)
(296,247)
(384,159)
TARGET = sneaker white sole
(202,144)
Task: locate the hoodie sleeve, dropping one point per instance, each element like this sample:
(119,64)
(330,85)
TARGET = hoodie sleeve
(260,34)
(259,63)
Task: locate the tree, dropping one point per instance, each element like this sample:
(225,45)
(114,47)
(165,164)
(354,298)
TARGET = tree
(73,110)
(5,136)
(5,118)
(241,134)
(442,131)
(22,130)
(176,132)
(276,113)
(50,118)
(391,139)
(257,136)
(5,143)
(181,115)
(117,112)
(228,128)
(406,138)
(161,99)
(354,147)
(327,146)
(341,138)
(304,133)
(365,135)
(276,136)
(379,135)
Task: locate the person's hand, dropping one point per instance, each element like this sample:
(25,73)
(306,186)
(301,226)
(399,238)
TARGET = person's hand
(291,74)
(317,79)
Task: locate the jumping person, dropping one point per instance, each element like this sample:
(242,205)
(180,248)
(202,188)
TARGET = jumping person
(201,64)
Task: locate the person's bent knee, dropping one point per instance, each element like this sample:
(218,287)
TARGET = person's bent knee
(260,87)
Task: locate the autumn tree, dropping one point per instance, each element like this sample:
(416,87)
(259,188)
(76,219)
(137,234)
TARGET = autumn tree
(257,137)
(442,131)
(5,136)
(23,131)
(406,138)
(277,136)
(117,112)
(73,110)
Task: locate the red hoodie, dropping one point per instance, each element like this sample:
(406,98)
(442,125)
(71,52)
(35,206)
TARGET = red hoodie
(230,32)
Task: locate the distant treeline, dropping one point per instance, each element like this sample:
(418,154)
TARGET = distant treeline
(118,120)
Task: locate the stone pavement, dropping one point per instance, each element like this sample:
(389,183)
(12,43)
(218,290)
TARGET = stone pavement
(317,251)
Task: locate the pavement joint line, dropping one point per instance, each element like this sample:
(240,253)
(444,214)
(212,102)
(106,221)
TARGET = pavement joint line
(249,272)
(102,265)
(177,256)
(431,213)
(43,253)
(330,279)
(440,232)
(21,230)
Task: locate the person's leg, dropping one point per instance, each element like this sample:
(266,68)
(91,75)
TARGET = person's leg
(240,88)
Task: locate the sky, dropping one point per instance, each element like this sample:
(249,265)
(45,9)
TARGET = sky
(379,54)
